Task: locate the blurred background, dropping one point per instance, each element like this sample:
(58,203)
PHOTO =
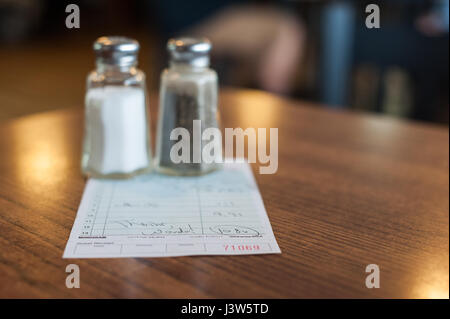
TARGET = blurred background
(318,51)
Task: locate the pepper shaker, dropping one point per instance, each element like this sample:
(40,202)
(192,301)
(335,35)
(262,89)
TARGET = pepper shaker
(188,102)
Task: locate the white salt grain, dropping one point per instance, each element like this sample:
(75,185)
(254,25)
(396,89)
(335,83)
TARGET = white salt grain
(116,124)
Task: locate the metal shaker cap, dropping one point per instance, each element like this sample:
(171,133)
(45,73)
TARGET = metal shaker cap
(116,50)
(193,51)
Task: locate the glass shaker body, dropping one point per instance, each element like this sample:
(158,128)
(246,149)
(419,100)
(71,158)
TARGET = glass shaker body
(188,100)
(116,138)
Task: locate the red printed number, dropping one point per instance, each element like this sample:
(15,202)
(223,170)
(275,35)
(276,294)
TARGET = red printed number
(241,247)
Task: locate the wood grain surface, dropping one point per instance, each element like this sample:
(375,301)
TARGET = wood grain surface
(351,190)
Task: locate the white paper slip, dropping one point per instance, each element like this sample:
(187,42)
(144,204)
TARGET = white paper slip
(154,215)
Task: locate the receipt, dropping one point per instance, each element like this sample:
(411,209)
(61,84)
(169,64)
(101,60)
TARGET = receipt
(155,215)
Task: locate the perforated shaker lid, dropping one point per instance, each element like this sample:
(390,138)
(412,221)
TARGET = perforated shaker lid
(193,51)
(116,50)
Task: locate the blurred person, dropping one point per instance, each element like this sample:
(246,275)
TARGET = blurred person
(262,45)
(436,21)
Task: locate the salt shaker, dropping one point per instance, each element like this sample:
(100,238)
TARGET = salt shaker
(188,100)
(116,138)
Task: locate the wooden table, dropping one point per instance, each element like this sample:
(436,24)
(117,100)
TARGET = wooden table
(351,190)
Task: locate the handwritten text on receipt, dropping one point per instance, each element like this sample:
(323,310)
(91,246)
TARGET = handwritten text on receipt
(221,213)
